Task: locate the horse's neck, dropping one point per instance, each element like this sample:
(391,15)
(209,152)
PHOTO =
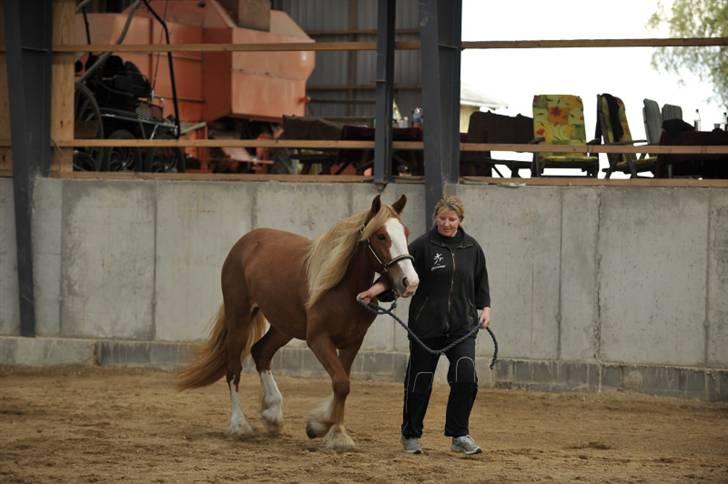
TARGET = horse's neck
(360,273)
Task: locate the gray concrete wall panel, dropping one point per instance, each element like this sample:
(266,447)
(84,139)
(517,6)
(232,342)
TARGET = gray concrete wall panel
(108,259)
(9,310)
(652,275)
(622,281)
(307,209)
(520,232)
(579,328)
(197,224)
(47,230)
(718,281)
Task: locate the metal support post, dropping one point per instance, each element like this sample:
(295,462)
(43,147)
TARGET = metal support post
(440,40)
(28,39)
(386,10)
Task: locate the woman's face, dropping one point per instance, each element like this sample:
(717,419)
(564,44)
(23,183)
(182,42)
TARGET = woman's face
(447,222)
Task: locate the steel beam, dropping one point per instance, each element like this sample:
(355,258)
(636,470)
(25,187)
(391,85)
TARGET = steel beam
(440,40)
(28,38)
(386,11)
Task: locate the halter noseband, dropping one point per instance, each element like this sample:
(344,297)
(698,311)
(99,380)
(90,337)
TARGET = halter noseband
(390,262)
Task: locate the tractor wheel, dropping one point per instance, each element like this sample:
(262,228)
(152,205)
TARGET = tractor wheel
(87,125)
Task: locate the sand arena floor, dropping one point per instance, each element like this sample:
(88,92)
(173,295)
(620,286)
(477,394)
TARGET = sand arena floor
(103,425)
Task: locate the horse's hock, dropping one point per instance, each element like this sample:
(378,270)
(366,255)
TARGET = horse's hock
(593,287)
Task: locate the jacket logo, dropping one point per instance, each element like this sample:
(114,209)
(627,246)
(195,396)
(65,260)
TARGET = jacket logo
(437,262)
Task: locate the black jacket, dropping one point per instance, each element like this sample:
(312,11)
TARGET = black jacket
(453,284)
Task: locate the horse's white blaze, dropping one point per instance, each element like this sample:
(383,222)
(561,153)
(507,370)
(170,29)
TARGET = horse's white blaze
(395,229)
(238,423)
(272,400)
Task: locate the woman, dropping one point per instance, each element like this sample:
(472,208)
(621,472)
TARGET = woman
(453,286)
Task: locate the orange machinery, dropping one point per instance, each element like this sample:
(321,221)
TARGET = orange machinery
(256,86)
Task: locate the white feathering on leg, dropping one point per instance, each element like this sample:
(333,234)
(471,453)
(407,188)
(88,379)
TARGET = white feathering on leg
(271,403)
(239,426)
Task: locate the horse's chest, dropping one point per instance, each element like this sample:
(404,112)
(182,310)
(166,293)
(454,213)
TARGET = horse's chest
(347,335)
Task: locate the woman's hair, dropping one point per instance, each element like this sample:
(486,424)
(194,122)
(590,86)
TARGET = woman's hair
(450,203)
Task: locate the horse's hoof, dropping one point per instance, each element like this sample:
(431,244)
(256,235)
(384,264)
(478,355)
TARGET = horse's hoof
(338,440)
(316,429)
(273,428)
(240,431)
(273,421)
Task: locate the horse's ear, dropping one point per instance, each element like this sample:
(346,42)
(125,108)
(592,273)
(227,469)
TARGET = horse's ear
(398,206)
(376,205)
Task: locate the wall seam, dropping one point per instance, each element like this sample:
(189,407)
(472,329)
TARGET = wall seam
(155,192)
(706,321)
(561,286)
(254,207)
(597,314)
(62,265)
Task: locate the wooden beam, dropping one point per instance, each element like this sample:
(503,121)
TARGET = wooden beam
(398,145)
(217,143)
(130,175)
(546,148)
(62,84)
(595,182)
(256,47)
(399,45)
(590,43)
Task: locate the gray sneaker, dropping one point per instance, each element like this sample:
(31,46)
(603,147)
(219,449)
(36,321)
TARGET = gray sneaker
(411,445)
(465,444)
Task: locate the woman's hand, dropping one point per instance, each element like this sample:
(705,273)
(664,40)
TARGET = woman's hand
(484,319)
(367,296)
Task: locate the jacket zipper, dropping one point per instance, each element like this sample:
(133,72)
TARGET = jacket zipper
(422,308)
(452,283)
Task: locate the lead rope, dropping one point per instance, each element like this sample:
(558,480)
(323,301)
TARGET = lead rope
(377,309)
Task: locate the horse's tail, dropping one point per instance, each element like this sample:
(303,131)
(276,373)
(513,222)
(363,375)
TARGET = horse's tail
(210,362)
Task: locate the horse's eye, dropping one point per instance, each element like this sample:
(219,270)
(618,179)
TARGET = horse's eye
(382,237)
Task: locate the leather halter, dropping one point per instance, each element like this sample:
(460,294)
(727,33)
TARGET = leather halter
(386,265)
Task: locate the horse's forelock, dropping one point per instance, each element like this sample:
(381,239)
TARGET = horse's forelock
(378,220)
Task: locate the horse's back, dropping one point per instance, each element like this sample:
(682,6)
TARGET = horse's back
(270,250)
(269,266)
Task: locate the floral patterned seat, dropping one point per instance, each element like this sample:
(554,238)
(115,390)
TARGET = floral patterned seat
(559,119)
(613,127)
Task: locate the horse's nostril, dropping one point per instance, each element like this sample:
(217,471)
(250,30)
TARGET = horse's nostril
(405,282)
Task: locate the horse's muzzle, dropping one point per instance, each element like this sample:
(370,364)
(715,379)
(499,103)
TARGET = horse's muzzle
(408,287)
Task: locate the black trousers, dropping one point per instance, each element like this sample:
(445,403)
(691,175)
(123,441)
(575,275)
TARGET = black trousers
(418,386)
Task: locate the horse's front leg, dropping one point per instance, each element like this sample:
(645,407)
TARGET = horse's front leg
(328,419)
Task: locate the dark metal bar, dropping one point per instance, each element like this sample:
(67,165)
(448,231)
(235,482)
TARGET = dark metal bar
(28,40)
(170,62)
(386,12)
(450,13)
(440,38)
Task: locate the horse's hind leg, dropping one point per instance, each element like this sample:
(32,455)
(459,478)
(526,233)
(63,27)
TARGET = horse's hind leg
(271,401)
(237,320)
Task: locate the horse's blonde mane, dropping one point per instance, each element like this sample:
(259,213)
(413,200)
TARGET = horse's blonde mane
(328,257)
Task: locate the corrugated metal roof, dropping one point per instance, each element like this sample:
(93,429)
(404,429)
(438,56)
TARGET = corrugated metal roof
(334,68)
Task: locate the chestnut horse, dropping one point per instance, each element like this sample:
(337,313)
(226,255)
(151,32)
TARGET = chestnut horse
(306,290)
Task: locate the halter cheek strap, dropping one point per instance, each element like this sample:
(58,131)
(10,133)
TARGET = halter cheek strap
(390,262)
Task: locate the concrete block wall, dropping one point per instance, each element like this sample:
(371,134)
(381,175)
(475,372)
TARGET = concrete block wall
(592,287)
